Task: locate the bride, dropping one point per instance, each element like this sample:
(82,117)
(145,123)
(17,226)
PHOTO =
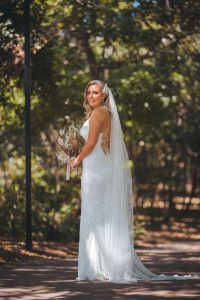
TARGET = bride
(106,246)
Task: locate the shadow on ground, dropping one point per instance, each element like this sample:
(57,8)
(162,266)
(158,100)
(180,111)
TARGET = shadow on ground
(56,278)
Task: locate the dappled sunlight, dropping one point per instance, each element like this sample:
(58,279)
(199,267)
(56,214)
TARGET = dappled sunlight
(148,53)
(173,230)
(13,250)
(50,270)
(48,279)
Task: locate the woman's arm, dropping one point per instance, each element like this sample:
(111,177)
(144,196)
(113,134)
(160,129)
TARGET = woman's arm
(96,122)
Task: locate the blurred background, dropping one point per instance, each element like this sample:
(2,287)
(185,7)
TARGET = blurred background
(148,52)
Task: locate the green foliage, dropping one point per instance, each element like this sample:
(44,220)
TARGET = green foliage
(148,53)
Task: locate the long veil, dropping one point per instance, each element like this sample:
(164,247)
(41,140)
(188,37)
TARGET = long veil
(124,264)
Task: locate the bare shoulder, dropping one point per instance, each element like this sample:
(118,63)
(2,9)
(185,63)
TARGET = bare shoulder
(101,111)
(107,110)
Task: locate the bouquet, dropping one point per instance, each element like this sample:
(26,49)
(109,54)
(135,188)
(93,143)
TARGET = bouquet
(70,143)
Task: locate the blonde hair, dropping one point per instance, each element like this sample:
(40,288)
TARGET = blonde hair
(86,105)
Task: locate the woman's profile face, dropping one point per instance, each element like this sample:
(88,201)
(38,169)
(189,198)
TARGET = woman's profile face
(94,96)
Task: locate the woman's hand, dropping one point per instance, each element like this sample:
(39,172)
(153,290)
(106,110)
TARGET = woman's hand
(74,162)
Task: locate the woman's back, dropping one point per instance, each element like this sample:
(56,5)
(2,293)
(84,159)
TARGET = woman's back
(106,128)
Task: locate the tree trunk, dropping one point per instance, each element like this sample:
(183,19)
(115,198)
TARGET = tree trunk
(192,194)
(172,208)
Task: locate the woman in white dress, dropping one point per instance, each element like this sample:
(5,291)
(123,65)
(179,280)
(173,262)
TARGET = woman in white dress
(106,247)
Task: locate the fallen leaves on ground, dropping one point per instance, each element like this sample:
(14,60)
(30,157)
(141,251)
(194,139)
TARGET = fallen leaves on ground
(12,250)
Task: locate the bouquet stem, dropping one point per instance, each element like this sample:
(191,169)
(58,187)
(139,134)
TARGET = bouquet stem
(68,171)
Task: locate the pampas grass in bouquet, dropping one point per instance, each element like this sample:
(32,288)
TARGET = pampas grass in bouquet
(69,144)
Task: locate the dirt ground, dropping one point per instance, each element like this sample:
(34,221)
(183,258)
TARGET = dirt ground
(50,270)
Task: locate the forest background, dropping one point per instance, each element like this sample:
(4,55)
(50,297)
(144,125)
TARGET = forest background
(148,52)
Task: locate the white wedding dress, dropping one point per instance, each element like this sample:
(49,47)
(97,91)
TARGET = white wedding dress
(106,248)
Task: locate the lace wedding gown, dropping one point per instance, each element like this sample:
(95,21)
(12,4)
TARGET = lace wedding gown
(106,250)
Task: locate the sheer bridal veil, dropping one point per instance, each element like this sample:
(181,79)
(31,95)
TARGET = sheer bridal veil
(124,264)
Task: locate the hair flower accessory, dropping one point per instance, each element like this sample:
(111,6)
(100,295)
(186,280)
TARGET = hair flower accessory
(105,89)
